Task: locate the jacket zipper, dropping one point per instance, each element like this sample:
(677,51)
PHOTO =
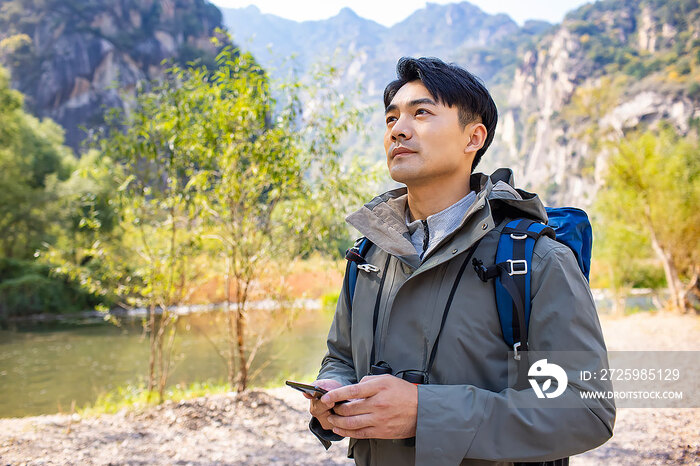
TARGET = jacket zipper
(426,237)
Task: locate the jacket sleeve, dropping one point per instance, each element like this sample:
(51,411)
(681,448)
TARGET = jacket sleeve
(482,424)
(337,364)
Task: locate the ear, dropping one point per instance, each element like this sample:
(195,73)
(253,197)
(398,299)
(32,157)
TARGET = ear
(477,137)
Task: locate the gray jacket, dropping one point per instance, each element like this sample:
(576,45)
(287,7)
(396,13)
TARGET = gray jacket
(466,413)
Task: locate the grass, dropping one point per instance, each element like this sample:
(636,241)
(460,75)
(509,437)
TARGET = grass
(630,310)
(135,397)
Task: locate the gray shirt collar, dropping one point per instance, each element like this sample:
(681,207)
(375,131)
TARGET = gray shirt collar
(438,225)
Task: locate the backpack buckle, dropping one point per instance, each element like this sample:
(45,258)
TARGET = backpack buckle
(368,268)
(516,356)
(514,236)
(519,271)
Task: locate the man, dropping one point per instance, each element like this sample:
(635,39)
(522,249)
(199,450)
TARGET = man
(419,310)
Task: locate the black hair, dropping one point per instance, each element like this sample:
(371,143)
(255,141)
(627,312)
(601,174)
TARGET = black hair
(453,86)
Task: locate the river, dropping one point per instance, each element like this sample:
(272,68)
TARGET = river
(44,367)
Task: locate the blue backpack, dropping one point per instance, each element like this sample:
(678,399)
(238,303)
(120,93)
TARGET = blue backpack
(512,270)
(513,267)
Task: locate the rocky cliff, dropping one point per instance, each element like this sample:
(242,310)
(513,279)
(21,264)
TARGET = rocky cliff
(73,59)
(563,91)
(609,68)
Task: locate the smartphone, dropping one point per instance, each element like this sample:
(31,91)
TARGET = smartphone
(313,390)
(316,392)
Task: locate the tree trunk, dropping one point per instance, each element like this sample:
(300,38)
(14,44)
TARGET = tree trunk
(242,363)
(619,302)
(617,297)
(674,284)
(165,371)
(691,295)
(159,349)
(229,326)
(152,353)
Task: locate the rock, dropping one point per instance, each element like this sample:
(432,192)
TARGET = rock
(86,59)
(548,149)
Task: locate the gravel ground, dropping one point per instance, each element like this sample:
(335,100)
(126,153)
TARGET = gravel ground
(650,436)
(256,428)
(269,426)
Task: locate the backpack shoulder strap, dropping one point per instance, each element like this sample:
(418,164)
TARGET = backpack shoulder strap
(355,257)
(514,261)
(512,273)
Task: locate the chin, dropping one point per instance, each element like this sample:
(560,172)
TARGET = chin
(404,176)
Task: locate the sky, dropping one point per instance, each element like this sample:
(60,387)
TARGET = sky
(389,13)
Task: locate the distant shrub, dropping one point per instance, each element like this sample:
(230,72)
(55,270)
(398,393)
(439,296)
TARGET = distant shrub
(30,288)
(644,275)
(14,268)
(31,294)
(329,302)
(683,66)
(581,28)
(694,90)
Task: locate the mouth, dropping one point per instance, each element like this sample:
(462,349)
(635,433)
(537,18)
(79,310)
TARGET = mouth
(401,150)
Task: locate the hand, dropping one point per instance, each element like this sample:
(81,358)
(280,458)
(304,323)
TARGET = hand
(319,409)
(382,406)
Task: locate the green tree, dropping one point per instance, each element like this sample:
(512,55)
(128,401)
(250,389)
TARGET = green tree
(91,247)
(136,224)
(653,189)
(33,163)
(272,184)
(208,162)
(158,160)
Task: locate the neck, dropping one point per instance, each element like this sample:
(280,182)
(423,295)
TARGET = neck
(428,199)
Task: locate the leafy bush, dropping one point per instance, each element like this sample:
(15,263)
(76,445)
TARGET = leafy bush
(31,294)
(30,288)
(14,268)
(329,302)
(644,275)
(694,91)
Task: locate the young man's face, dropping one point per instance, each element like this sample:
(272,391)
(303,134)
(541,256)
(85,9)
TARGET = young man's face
(424,140)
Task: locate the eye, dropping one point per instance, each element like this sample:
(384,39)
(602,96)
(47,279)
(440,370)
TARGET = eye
(422,111)
(390,119)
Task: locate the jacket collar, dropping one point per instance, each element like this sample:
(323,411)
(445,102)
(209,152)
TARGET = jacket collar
(382,220)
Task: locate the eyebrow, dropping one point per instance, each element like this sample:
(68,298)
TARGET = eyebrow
(412,103)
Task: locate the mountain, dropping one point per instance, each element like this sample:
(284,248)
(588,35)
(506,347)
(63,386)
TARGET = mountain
(72,58)
(609,68)
(458,31)
(367,52)
(564,92)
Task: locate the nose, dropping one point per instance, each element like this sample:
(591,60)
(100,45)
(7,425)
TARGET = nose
(401,129)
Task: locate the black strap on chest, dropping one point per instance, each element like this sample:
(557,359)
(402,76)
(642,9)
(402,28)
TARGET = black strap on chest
(458,278)
(448,305)
(375,317)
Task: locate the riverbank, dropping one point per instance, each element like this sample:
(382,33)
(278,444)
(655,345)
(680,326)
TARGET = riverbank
(260,427)
(314,297)
(269,426)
